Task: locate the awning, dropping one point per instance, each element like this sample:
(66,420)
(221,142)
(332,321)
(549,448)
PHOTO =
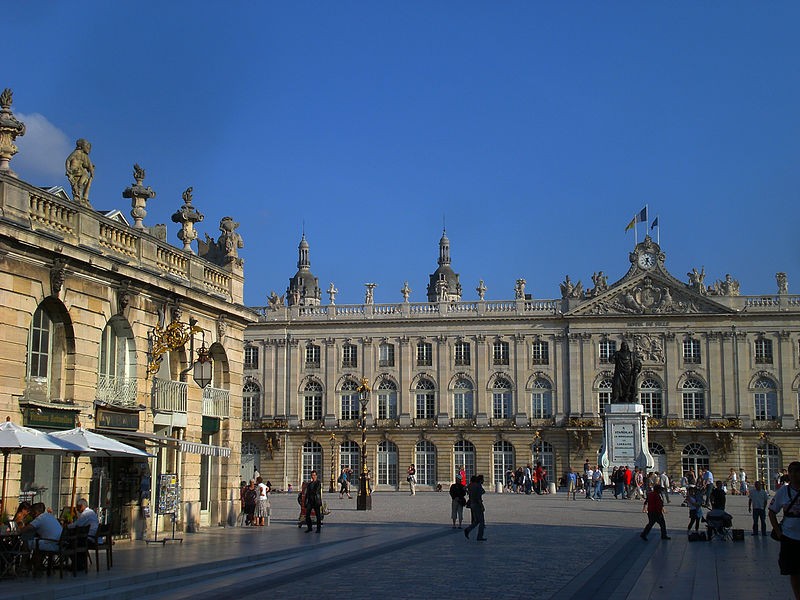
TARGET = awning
(163,440)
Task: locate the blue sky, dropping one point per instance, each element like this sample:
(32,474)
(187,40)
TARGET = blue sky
(535,130)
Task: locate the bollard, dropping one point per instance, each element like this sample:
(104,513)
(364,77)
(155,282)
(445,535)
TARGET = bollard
(498,487)
(551,488)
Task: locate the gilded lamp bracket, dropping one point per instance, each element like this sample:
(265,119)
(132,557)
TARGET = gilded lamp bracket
(165,339)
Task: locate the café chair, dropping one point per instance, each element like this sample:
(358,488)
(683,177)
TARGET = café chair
(104,542)
(72,546)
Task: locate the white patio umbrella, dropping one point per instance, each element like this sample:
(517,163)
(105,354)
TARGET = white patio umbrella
(18,439)
(99,444)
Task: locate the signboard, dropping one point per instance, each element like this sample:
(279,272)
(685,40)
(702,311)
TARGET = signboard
(109,419)
(49,418)
(168,494)
(623,442)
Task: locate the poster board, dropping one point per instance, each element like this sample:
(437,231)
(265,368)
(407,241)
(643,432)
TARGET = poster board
(169,493)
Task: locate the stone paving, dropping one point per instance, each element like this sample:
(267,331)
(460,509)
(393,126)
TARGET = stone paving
(538,547)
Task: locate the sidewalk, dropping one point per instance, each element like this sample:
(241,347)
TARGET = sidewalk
(539,547)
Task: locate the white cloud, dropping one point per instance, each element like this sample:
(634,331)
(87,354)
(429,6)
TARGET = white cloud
(42,151)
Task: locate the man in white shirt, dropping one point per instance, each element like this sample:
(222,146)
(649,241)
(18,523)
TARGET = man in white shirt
(86,516)
(742,481)
(708,481)
(787,499)
(588,475)
(665,487)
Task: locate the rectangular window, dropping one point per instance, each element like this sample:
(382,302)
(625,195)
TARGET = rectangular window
(349,356)
(766,405)
(350,406)
(426,405)
(501,405)
(693,405)
(387,404)
(251,357)
(424,354)
(500,353)
(607,349)
(603,399)
(312,408)
(462,404)
(312,356)
(691,351)
(764,351)
(386,355)
(541,404)
(462,354)
(540,353)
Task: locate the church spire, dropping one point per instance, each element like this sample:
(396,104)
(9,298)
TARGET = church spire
(303,261)
(444,250)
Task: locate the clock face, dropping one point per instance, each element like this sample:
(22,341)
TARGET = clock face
(647,260)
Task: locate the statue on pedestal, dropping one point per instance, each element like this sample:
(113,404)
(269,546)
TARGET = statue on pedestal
(627,367)
(80,171)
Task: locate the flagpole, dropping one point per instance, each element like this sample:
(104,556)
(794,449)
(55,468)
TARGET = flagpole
(635,230)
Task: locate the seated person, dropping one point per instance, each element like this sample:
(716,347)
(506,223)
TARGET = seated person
(86,516)
(46,527)
(21,517)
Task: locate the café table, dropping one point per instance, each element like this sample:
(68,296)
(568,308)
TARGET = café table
(14,554)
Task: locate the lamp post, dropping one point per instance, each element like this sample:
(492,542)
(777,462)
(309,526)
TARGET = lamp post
(364,499)
(332,486)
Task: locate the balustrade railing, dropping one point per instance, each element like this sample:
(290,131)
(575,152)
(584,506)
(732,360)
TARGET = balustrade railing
(117,391)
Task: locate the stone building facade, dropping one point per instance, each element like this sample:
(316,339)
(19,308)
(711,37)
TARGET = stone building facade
(498,384)
(102,324)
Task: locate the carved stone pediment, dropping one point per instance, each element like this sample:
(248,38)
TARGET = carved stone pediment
(648,293)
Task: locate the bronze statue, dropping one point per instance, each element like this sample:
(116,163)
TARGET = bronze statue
(627,367)
(80,171)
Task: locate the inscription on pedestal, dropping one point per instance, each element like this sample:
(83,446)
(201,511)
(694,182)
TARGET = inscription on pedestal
(623,445)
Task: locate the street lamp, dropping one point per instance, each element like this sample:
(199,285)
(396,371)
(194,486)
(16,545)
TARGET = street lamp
(364,500)
(332,487)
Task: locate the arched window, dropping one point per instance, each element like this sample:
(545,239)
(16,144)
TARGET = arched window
(387,399)
(426,463)
(694,457)
(503,459)
(251,401)
(425,396)
(350,458)
(542,452)
(659,456)
(312,401)
(387,464)
(541,399)
(651,397)
(765,399)
(116,378)
(603,395)
(501,399)
(462,399)
(47,349)
(312,461)
(464,456)
(348,410)
(769,462)
(694,406)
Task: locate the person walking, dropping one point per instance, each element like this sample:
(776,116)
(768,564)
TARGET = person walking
(665,486)
(250,498)
(598,482)
(476,492)
(787,499)
(654,507)
(411,478)
(693,501)
(757,504)
(572,483)
(457,501)
(313,501)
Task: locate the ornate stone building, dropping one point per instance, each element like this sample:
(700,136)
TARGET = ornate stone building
(497,384)
(102,324)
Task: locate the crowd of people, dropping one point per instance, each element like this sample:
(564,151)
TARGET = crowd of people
(527,480)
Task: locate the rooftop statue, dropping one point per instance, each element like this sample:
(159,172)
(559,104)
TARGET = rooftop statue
(627,367)
(80,171)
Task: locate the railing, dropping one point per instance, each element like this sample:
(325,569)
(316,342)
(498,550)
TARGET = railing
(387,309)
(169,396)
(424,362)
(424,422)
(550,306)
(502,306)
(117,239)
(53,215)
(501,360)
(501,422)
(313,364)
(172,261)
(217,282)
(310,311)
(462,421)
(117,391)
(386,362)
(383,423)
(216,402)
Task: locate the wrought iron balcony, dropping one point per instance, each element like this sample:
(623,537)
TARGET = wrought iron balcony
(169,396)
(117,391)
(216,402)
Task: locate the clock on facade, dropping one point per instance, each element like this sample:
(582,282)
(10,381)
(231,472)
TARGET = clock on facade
(647,260)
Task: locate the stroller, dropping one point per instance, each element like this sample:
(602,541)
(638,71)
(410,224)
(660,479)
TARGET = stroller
(718,522)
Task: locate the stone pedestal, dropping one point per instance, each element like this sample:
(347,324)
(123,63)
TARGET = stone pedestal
(625,438)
